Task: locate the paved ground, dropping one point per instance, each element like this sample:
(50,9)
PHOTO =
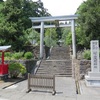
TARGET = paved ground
(88,93)
(65,88)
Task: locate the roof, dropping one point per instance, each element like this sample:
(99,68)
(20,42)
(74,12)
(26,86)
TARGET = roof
(4,48)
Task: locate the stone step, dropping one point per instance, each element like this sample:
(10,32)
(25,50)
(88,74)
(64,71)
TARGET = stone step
(57,62)
(41,69)
(54,69)
(60,53)
(53,73)
(66,75)
(57,67)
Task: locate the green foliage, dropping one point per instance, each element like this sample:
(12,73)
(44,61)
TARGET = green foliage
(14,21)
(0,54)
(17,55)
(16,69)
(7,54)
(12,31)
(69,38)
(50,38)
(1,4)
(1,0)
(59,33)
(32,36)
(28,55)
(86,54)
(89,21)
(66,36)
(49,41)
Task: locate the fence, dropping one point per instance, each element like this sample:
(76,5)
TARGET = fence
(44,82)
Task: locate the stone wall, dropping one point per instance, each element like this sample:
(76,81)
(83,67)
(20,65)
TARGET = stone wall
(29,64)
(80,68)
(85,66)
(35,50)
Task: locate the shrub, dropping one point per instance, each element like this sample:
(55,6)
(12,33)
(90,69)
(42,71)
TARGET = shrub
(28,55)
(0,54)
(8,54)
(17,55)
(86,54)
(16,69)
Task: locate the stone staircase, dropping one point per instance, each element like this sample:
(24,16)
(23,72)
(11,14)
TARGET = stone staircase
(60,53)
(58,64)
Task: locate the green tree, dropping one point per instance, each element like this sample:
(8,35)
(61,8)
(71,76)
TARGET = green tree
(32,36)
(65,36)
(11,28)
(14,21)
(1,0)
(32,9)
(69,38)
(89,21)
(50,38)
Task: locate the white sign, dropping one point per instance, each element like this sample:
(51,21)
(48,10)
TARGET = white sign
(95,56)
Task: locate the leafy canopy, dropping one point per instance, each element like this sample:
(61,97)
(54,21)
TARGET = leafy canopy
(89,21)
(14,21)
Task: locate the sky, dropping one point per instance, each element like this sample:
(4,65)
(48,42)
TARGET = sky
(61,7)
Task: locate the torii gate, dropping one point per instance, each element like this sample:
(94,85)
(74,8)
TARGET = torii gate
(55,18)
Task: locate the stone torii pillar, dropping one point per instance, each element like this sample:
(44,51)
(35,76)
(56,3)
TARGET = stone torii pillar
(41,40)
(73,38)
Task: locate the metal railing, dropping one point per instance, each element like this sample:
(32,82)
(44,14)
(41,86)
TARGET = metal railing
(43,82)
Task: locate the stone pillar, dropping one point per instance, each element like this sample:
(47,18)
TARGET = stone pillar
(73,38)
(95,56)
(93,77)
(41,40)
